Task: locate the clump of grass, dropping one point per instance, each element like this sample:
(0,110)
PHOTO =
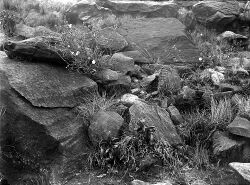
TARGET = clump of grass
(243,106)
(95,103)
(78,49)
(221,112)
(126,153)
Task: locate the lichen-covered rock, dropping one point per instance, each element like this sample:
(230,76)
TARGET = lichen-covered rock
(156,117)
(108,38)
(104,125)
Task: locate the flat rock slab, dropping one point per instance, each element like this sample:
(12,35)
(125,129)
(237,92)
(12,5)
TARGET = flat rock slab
(143,8)
(160,38)
(47,86)
(157,117)
(243,169)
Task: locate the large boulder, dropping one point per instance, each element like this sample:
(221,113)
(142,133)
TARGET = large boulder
(161,38)
(216,14)
(85,9)
(39,106)
(37,49)
(148,9)
(157,117)
(104,125)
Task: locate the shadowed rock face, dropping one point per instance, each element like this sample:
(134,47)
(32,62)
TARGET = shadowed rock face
(39,115)
(163,38)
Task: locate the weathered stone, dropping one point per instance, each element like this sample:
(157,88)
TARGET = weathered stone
(104,125)
(146,81)
(84,10)
(130,99)
(47,86)
(162,38)
(175,115)
(240,126)
(157,117)
(216,14)
(148,9)
(243,169)
(108,38)
(35,49)
(139,182)
(107,75)
(121,63)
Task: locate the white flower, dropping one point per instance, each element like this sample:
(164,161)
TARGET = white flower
(77,53)
(70,25)
(72,53)
(201,34)
(68,46)
(200,59)
(93,61)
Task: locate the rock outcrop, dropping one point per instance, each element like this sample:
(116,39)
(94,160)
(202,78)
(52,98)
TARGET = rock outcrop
(39,103)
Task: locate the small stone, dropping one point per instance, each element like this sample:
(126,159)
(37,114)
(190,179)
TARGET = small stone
(104,125)
(107,75)
(121,63)
(148,80)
